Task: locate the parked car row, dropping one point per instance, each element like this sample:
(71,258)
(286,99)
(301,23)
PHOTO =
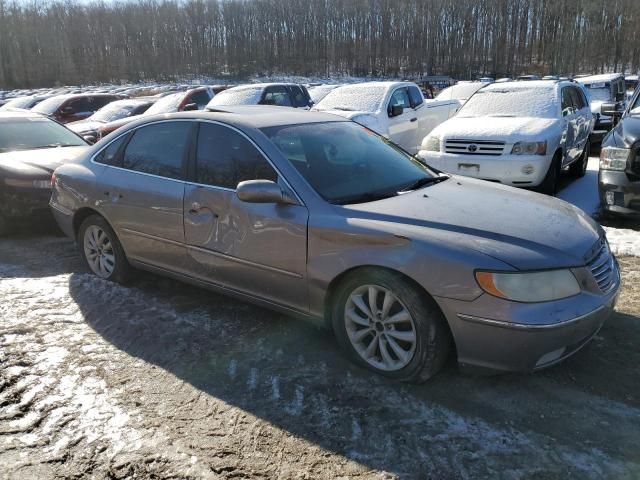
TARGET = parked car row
(327,215)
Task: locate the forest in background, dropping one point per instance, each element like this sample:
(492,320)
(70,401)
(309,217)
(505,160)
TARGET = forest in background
(46,43)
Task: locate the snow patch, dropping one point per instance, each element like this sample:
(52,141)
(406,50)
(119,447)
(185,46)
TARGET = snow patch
(623,241)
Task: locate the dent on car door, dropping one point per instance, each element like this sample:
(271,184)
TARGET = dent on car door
(402,128)
(256,248)
(142,193)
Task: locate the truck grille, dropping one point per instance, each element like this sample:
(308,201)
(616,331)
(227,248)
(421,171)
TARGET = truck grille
(474,147)
(602,267)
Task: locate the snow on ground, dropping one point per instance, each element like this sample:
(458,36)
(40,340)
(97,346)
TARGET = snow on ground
(584,194)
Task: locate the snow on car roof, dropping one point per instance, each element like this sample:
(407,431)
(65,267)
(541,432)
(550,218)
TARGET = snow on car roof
(605,77)
(532,84)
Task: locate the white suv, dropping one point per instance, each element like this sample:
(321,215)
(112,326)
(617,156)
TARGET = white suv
(517,133)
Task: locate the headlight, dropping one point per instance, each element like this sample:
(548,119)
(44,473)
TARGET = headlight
(613,158)
(529,148)
(431,143)
(529,286)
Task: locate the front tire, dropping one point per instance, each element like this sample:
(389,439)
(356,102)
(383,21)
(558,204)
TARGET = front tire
(388,325)
(579,167)
(101,250)
(549,185)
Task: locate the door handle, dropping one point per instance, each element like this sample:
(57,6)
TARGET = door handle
(413,119)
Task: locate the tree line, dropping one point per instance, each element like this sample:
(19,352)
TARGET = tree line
(45,43)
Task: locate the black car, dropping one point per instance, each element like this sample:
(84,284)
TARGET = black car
(73,107)
(31,148)
(619,176)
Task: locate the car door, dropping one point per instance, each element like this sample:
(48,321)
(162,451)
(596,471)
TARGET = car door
(584,119)
(142,189)
(256,248)
(570,134)
(402,128)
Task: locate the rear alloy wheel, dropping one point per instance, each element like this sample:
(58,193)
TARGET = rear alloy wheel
(388,325)
(101,251)
(549,185)
(579,167)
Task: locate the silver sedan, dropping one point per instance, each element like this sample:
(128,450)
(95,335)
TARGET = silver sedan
(321,218)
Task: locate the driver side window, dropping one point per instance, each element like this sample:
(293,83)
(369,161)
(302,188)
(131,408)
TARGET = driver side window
(399,98)
(567,102)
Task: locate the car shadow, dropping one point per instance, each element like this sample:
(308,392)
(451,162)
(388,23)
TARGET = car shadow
(292,375)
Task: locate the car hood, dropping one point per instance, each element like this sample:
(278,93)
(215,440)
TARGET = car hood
(495,128)
(344,113)
(40,162)
(523,229)
(84,126)
(627,131)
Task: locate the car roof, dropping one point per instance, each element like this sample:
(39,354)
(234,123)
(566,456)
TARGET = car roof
(6,115)
(249,116)
(605,77)
(515,85)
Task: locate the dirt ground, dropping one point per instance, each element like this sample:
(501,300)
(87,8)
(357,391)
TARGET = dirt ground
(164,380)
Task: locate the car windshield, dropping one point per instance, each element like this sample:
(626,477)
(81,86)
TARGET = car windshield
(167,104)
(347,163)
(113,111)
(21,102)
(357,98)
(516,102)
(240,96)
(48,106)
(600,92)
(461,91)
(33,133)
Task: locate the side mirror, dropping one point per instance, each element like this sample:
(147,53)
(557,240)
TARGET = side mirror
(567,111)
(396,110)
(609,109)
(189,107)
(262,191)
(90,139)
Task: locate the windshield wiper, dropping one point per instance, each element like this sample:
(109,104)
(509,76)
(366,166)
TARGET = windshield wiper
(362,198)
(423,182)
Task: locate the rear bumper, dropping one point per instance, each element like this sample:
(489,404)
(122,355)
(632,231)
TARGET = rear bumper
(618,194)
(64,219)
(556,331)
(506,169)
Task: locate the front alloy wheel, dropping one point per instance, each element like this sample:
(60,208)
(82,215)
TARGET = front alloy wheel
(380,328)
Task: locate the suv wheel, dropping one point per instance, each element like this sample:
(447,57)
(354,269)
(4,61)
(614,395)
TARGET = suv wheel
(579,167)
(388,325)
(101,251)
(549,185)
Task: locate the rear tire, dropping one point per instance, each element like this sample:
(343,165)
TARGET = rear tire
(579,167)
(549,185)
(405,322)
(101,251)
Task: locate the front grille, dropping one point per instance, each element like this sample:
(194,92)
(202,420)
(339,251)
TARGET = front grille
(602,267)
(474,147)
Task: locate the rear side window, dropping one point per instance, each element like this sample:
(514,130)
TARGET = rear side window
(225,158)
(109,155)
(578,99)
(99,102)
(276,96)
(415,96)
(80,105)
(158,149)
(200,98)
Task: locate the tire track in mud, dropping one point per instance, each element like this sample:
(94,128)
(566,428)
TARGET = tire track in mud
(162,381)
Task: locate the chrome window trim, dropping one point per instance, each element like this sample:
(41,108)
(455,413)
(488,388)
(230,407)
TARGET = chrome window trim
(187,182)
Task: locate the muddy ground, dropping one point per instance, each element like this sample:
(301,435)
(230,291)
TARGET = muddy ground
(163,380)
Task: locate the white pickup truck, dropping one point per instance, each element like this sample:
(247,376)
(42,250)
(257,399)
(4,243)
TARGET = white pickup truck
(396,110)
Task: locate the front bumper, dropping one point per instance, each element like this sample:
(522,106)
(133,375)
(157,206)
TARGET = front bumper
(20,202)
(524,337)
(506,169)
(619,195)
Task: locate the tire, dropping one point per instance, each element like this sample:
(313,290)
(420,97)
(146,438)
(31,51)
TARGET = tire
(579,167)
(101,251)
(549,185)
(422,358)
